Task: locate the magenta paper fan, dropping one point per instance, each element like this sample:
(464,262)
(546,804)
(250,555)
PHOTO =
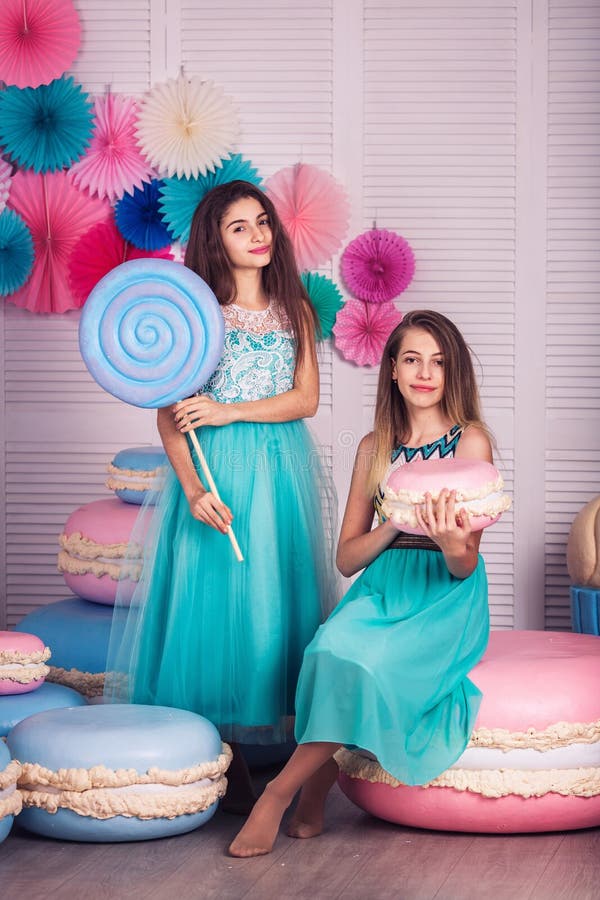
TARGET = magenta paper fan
(114,163)
(377,265)
(5,180)
(39,40)
(314,209)
(99,250)
(361,330)
(57,214)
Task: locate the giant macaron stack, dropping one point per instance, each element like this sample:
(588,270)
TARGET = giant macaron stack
(118,772)
(99,555)
(478,484)
(533,761)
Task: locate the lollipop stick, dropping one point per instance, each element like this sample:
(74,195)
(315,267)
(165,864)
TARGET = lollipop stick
(213,488)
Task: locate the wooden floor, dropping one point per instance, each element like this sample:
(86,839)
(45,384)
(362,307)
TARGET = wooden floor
(357,858)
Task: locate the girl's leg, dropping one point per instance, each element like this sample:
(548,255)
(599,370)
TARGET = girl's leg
(307,820)
(240,796)
(258,834)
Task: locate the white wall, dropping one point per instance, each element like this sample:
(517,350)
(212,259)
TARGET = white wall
(471,128)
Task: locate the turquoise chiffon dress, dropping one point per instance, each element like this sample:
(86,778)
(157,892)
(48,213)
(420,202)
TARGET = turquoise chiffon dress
(388,671)
(205,632)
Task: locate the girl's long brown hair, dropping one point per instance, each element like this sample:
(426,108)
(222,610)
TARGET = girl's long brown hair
(460,398)
(206,255)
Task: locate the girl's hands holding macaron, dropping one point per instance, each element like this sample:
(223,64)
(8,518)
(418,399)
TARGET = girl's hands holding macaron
(449,527)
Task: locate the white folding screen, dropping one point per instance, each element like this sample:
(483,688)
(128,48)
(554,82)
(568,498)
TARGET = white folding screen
(572,283)
(471,130)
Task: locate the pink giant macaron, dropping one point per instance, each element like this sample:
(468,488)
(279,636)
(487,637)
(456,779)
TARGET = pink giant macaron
(533,761)
(478,484)
(97,551)
(22,662)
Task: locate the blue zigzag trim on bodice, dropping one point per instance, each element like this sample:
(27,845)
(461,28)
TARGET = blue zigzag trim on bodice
(444,446)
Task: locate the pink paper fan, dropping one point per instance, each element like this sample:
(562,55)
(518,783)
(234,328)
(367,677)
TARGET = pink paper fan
(5,182)
(314,209)
(99,250)
(377,265)
(57,214)
(114,163)
(39,40)
(361,330)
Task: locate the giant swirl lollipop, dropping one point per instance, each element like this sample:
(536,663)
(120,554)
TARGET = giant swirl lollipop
(151,333)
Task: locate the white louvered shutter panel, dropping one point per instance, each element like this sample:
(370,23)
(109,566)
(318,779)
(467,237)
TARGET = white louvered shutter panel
(573,285)
(440,170)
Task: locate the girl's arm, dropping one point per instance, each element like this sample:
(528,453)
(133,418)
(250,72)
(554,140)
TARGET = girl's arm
(451,530)
(300,402)
(359,544)
(203,504)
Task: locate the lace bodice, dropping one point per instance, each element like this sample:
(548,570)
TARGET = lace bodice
(259,356)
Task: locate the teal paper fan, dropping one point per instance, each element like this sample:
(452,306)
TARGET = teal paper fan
(179,197)
(16,252)
(326,299)
(46,128)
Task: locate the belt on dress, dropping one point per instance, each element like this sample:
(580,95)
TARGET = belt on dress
(404,541)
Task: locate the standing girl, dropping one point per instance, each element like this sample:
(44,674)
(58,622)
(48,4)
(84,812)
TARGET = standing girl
(205,632)
(388,671)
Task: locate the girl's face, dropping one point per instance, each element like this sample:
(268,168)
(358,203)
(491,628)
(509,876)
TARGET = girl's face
(246,234)
(419,369)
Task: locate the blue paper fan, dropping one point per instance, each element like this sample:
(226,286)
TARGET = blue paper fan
(48,127)
(179,197)
(325,297)
(139,219)
(16,252)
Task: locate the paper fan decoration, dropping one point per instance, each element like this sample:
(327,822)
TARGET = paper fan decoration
(361,330)
(5,180)
(186,126)
(179,197)
(140,220)
(377,265)
(114,162)
(16,252)
(99,250)
(39,40)
(57,214)
(325,297)
(45,128)
(314,209)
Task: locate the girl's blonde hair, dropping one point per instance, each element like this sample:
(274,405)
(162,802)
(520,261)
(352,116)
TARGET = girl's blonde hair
(460,398)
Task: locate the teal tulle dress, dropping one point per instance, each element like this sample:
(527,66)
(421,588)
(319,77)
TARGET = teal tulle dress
(205,632)
(388,672)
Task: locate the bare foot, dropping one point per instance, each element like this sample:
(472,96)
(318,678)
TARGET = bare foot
(258,834)
(307,820)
